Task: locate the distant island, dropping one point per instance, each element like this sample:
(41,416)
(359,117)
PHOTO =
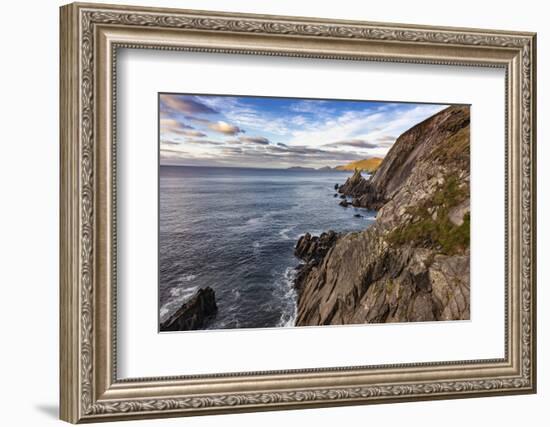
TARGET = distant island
(366,165)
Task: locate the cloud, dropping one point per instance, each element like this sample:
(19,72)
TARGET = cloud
(198,120)
(173,126)
(372,125)
(256,155)
(184,104)
(225,128)
(231,150)
(216,126)
(237,111)
(309,106)
(168,123)
(254,140)
(193,133)
(386,140)
(356,143)
(310,132)
(203,141)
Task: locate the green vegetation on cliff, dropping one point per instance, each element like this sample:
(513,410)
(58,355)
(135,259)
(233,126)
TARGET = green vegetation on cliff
(431,226)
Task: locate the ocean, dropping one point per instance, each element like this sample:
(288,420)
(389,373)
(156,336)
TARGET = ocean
(234,229)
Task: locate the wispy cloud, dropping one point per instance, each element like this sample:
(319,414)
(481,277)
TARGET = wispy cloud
(173,127)
(357,143)
(254,139)
(184,104)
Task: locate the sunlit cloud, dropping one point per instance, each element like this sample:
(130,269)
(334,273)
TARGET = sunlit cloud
(225,128)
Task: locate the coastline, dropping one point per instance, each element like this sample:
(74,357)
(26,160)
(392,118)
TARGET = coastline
(241,225)
(413,263)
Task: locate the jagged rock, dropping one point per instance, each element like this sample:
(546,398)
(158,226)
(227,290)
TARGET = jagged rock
(193,314)
(400,269)
(358,216)
(311,247)
(311,250)
(336,186)
(335,194)
(344,203)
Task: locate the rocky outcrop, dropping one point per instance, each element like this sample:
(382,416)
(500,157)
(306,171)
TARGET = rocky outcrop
(442,137)
(413,263)
(312,249)
(193,314)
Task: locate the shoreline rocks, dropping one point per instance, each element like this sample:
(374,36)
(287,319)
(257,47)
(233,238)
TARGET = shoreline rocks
(193,314)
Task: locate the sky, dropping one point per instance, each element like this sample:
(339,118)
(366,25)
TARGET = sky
(270,132)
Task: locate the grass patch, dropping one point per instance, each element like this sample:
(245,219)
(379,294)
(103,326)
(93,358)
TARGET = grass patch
(439,233)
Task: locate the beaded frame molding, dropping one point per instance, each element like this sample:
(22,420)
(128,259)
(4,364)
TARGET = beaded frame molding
(90,37)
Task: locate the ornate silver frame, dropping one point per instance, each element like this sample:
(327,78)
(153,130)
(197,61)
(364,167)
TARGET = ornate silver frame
(90,36)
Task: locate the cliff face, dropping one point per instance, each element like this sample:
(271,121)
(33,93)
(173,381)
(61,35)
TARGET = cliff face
(413,264)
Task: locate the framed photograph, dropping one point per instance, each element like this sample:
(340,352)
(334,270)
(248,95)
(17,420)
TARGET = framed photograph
(266,212)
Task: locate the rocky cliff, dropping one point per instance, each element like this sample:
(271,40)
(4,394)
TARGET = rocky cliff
(413,264)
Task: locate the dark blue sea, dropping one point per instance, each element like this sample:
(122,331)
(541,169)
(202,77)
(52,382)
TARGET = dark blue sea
(235,229)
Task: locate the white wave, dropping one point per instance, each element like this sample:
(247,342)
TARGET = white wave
(254,221)
(316,232)
(289,297)
(284,232)
(182,293)
(178,296)
(164,311)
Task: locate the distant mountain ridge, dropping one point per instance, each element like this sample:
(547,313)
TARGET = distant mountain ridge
(366,165)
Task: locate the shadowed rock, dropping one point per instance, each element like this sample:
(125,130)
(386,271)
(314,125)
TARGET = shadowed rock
(311,250)
(193,314)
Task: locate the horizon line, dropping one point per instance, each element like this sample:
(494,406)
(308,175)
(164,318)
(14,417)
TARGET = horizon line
(251,167)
